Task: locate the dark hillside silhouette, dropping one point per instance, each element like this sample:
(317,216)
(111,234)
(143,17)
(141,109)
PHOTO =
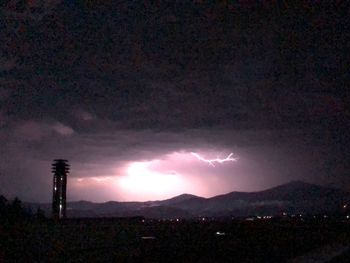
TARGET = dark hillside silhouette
(293,198)
(13,211)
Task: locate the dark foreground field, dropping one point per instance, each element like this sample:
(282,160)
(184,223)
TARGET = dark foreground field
(98,240)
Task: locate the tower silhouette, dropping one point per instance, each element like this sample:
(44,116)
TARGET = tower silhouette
(60,169)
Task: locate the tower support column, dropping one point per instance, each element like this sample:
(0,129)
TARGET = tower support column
(60,169)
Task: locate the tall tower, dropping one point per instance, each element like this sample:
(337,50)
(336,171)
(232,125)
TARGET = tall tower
(60,169)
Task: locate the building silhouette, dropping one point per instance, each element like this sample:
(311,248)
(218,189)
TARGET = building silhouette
(60,169)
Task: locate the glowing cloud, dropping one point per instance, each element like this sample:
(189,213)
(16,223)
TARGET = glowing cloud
(216,160)
(166,176)
(141,178)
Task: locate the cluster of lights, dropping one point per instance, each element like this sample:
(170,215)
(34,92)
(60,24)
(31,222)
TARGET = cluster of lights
(264,217)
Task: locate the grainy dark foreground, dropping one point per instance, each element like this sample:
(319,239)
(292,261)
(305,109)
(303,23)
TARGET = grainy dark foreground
(111,240)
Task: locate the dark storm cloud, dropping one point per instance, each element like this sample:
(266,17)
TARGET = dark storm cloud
(103,84)
(134,64)
(31,148)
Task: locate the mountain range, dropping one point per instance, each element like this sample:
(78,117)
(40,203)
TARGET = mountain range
(292,198)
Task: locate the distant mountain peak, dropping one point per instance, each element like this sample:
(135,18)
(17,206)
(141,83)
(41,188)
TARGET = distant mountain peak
(298,183)
(294,183)
(293,197)
(180,198)
(185,195)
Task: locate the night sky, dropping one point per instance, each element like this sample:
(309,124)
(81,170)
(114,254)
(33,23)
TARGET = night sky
(128,90)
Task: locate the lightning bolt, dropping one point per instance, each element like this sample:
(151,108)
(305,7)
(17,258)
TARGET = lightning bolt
(217,160)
